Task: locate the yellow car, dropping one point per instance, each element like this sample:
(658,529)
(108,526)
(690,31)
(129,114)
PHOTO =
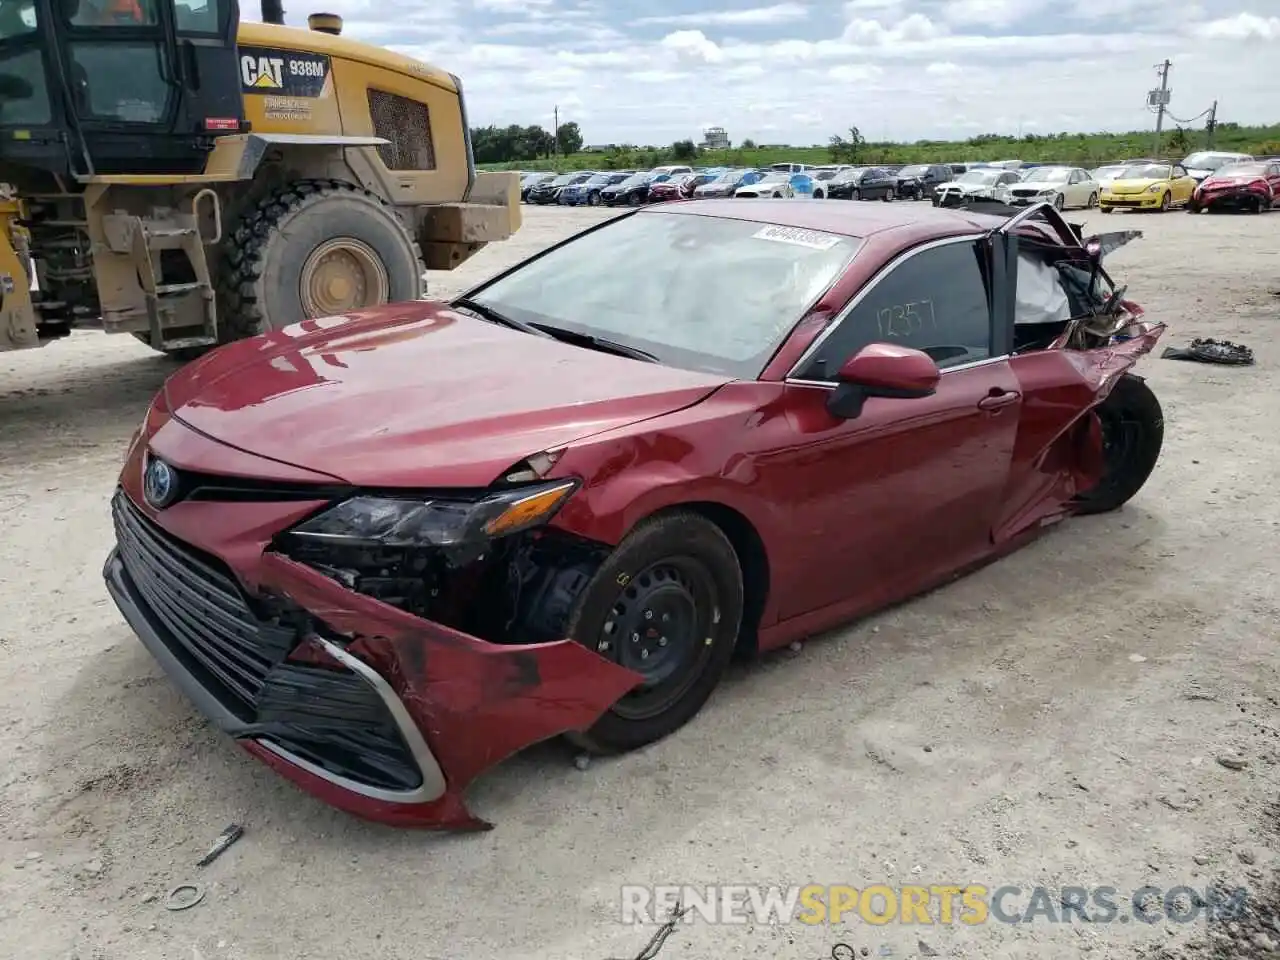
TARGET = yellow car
(1147,186)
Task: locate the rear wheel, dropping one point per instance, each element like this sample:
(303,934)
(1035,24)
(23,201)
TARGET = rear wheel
(1059,201)
(593,198)
(888,195)
(1093,199)
(856,195)
(667,603)
(1132,437)
(313,249)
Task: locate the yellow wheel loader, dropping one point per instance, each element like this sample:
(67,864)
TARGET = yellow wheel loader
(170,172)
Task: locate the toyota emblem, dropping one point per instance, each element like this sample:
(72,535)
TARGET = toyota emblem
(159,483)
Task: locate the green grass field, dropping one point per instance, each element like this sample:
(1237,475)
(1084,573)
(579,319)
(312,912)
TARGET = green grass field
(1083,149)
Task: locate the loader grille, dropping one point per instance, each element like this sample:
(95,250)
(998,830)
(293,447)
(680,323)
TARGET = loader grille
(407,124)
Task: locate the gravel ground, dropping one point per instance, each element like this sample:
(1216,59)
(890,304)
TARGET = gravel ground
(1097,710)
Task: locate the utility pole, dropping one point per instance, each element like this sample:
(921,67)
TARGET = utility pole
(1212,124)
(555,131)
(1160,98)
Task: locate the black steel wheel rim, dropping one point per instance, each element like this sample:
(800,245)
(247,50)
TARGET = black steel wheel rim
(662,626)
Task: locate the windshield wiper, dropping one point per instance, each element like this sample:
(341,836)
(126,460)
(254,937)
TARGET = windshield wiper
(597,343)
(493,316)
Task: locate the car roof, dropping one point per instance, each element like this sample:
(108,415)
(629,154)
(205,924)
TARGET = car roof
(859,220)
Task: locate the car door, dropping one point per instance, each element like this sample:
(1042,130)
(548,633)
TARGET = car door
(1273,178)
(906,492)
(1183,184)
(881,182)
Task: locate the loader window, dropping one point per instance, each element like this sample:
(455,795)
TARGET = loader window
(17,17)
(24,98)
(111,13)
(199,16)
(120,82)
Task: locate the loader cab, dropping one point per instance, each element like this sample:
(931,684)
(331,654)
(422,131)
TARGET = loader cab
(116,86)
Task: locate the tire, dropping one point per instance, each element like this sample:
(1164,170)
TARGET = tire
(1059,201)
(1106,209)
(856,195)
(1093,200)
(688,559)
(1258,205)
(1133,434)
(634,200)
(261,267)
(818,195)
(1166,201)
(888,195)
(1192,207)
(593,199)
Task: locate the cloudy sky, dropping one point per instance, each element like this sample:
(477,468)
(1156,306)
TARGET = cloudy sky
(796,71)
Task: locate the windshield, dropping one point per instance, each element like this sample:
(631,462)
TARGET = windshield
(1104,172)
(729,176)
(1209,161)
(776,177)
(825,175)
(1047,175)
(636,180)
(1145,171)
(979,176)
(599,180)
(915,170)
(1242,169)
(564,179)
(697,292)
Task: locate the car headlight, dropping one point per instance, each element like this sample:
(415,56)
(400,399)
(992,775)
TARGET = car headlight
(410,522)
(1155,188)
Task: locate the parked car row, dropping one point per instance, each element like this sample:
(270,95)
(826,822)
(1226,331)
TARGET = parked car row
(1204,181)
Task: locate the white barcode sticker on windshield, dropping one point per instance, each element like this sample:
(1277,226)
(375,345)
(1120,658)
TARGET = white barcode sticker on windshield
(814,239)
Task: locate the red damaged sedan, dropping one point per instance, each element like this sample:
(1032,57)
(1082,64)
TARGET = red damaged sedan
(385,551)
(1251,185)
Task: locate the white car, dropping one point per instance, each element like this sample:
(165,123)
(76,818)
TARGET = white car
(1107,173)
(988,183)
(1201,165)
(1062,186)
(776,184)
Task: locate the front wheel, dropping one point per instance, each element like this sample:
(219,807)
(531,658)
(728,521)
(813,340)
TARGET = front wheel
(593,199)
(1132,437)
(667,604)
(1093,200)
(888,195)
(1166,201)
(856,195)
(1059,201)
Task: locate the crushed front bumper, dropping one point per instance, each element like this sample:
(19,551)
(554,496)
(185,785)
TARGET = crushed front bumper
(373,710)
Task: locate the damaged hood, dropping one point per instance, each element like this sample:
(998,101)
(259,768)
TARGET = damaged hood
(417,395)
(1132,186)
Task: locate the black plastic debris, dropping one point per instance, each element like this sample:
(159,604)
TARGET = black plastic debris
(1211,351)
(225,839)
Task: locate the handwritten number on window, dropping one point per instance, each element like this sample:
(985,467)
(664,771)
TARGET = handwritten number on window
(906,320)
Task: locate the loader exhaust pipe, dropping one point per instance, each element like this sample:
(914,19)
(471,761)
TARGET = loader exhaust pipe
(273,11)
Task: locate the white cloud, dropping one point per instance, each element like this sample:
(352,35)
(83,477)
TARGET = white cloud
(752,16)
(943,69)
(860,73)
(1244,26)
(990,13)
(692,46)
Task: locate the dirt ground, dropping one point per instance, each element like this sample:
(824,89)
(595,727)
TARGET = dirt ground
(1099,709)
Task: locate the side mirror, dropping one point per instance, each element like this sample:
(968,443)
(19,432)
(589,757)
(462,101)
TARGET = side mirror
(882,370)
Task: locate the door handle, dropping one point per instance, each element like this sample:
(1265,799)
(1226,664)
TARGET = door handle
(997,400)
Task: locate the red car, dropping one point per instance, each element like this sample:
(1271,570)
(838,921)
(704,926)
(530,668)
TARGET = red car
(1250,185)
(678,188)
(385,551)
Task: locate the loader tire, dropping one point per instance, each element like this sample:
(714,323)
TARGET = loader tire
(281,242)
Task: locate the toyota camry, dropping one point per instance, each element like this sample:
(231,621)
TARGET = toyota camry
(385,551)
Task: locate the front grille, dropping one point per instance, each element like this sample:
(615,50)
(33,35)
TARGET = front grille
(407,124)
(202,609)
(331,718)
